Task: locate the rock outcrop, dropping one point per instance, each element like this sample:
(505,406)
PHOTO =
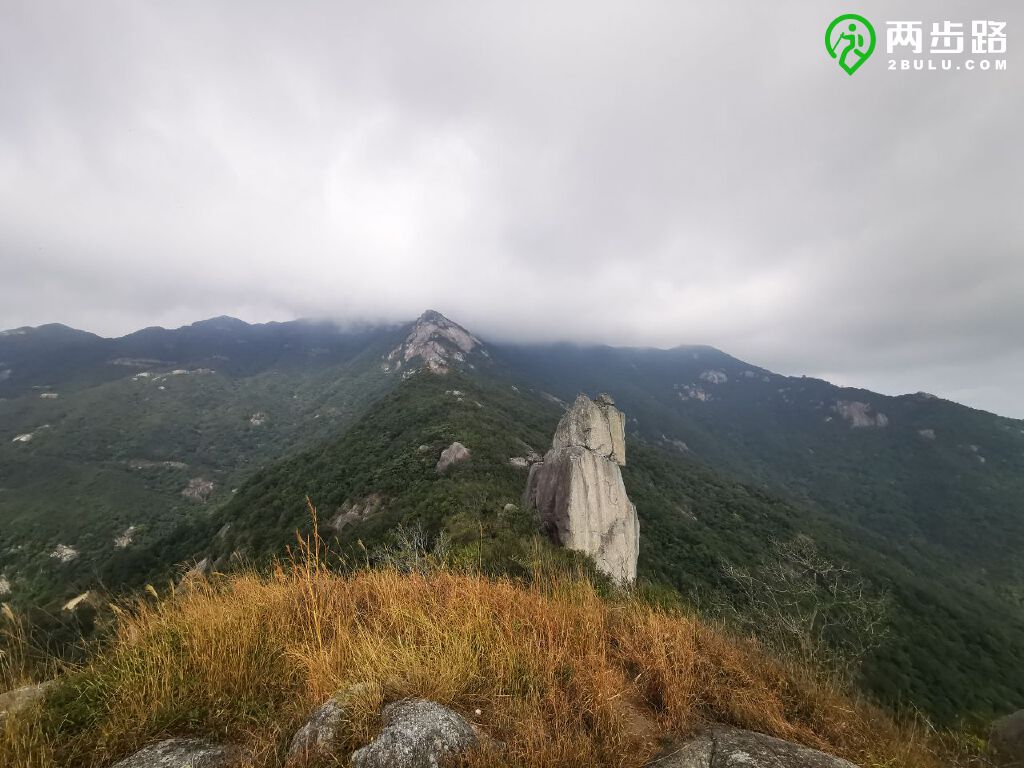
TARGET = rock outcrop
(1007,740)
(436,341)
(200,570)
(357,511)
(861,415)
(578,491)
(596,425)
(724,747)
(198,489)
(74,602)
(65,553)
(181,753)
(416,734)
(453,454)
(20,699)
(125,539)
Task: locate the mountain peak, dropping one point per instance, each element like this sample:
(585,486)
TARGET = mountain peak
(433,316)
(436,341)
(221,323)
(51,331)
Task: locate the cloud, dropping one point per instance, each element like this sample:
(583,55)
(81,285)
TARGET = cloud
(642,173)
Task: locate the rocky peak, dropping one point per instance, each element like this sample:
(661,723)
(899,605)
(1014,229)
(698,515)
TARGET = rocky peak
(436,341)
(596,425)
(860,415)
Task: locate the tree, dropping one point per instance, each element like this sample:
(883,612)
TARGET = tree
(806,606)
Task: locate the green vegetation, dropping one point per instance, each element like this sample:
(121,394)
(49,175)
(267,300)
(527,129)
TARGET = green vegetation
(944,644)
(920,516)
(719,483)
(117,456)
(391,452)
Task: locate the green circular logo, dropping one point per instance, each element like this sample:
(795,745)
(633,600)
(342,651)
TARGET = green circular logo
(850,40)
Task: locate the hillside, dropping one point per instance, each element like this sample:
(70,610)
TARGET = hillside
(55,357)
(134,435)
(546,671)
(918,470)
(726,462)
(694,521)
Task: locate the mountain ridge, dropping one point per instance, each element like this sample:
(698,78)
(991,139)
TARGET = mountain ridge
(227,323)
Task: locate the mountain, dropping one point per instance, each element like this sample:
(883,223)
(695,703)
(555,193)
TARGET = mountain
(54,356)
(108,443)
(921,471)
(920,496)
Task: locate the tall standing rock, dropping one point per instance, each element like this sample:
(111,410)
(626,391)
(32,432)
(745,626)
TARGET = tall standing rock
(578,492)
(596,425)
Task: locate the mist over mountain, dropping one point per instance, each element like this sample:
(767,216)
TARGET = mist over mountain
(711,453)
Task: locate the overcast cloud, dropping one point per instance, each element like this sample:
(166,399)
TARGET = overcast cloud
(648,173)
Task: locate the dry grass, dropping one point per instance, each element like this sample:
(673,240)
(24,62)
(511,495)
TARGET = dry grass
(14,650)
(558,674)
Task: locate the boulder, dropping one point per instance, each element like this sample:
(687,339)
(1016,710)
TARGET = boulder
(198,571)
(578,491)
(181,753)
(724,747)
(416,734)
(453,454)
(22,698)
(316,738)
(1007,740)
(357,511)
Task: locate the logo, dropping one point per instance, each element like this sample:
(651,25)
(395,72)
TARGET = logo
(850,39)
(953,45)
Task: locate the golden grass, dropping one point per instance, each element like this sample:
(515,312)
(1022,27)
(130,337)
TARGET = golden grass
(559,675)
(14,650)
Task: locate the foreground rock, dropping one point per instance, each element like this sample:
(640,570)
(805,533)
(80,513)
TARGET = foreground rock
(578,491)
(1007,740)
(317,737)
(181,753)
(416,734)
(20,699)
(724,747)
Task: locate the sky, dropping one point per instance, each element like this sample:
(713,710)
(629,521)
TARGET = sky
(642,173)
